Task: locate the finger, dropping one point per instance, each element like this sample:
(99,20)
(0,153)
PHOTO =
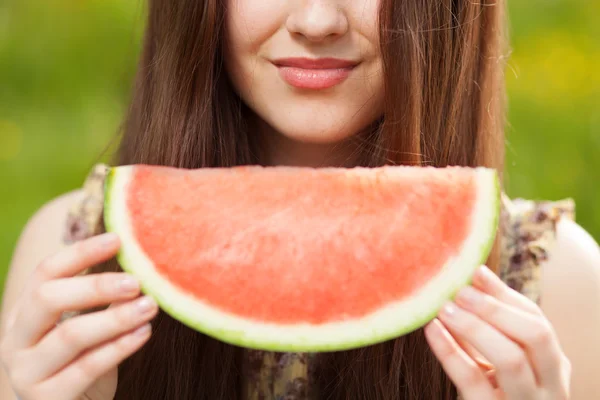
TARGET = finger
(78,257)
(470,381)
(100,308)
(488,282)
(116,304)
(532,332)
(79,334)
(82,373)
(491,375)
(67,262)
(51,299)
(513,371)
(476,356)
(85,292)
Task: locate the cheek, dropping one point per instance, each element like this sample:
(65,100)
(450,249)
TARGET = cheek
(250,23)
(364,17)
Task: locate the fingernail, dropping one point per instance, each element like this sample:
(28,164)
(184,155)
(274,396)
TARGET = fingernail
(145,304)
(433,328)
(449,310)
(485,274)
(128,285)
(469,295)
(108,239)
(142,330)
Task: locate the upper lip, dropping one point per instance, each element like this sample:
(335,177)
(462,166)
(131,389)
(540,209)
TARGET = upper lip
(314,63)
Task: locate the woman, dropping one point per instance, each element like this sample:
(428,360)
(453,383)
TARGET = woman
(312,83)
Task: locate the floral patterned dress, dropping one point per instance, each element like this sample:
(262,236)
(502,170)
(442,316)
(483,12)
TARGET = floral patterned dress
(529,229)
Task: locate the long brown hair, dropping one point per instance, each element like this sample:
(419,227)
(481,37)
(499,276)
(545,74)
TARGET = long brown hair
(443,67)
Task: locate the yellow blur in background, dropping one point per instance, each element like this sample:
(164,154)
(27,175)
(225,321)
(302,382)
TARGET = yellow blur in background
(66,68)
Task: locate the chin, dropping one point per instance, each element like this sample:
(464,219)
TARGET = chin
(318,121)
(315,132)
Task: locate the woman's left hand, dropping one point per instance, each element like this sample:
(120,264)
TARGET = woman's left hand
(523,358)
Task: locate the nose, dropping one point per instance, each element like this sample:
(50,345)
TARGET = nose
(317,20)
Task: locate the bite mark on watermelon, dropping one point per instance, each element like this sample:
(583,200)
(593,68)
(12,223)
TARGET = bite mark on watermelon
(300,259)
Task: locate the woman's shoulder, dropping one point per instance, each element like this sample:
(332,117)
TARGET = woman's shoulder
(528,232)
(545,234)
(571,301)
(62,220)
(571,278)
(575,255)
(66,219)
(550,258)
(44,231)
(42,236)
(544,247)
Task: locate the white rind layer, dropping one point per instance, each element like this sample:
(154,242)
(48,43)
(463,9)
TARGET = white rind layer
(387,323)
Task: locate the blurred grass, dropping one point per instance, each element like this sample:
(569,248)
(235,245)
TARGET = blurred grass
(554,114)
(66,68)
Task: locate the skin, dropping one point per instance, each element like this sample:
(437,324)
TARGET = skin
(493,342)
(305,127)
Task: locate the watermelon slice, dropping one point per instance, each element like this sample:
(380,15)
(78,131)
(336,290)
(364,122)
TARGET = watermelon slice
(302,259)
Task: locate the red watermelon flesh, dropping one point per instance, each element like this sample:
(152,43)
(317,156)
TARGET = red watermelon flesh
(288,258)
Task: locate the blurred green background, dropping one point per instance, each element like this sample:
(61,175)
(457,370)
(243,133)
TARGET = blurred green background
(66,68)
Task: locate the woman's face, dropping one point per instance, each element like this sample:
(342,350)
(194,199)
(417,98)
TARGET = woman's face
(310,69)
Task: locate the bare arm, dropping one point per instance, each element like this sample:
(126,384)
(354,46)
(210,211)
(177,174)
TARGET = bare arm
(571,301)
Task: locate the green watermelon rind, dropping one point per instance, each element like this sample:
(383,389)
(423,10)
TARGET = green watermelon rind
(312,342)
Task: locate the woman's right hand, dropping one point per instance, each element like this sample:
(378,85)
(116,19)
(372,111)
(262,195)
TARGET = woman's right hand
(47,360)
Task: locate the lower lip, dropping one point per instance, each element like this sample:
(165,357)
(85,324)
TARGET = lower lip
(304,78)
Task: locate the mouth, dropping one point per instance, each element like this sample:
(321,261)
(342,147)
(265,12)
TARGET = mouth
(315,74)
